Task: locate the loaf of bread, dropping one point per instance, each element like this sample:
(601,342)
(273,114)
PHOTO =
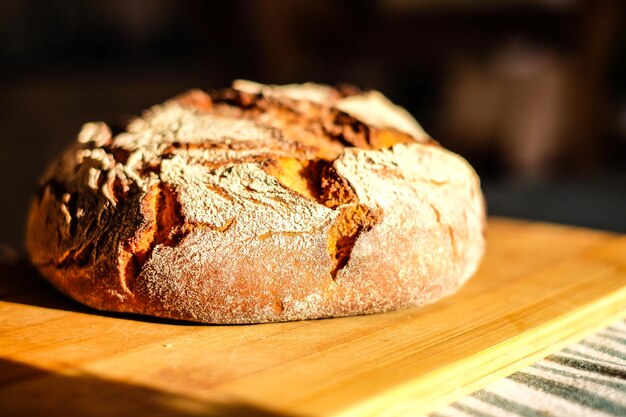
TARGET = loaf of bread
(256,204)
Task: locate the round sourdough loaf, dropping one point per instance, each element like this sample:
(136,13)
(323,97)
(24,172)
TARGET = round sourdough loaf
(256,204)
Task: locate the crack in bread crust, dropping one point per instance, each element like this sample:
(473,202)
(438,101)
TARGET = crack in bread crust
(258,203)
(351,222)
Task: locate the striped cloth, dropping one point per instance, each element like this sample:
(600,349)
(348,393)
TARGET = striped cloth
(585,379)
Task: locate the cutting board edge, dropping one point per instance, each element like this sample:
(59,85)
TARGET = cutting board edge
(405,394)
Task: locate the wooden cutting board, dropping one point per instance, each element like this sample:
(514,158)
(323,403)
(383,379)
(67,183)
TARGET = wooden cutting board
(540,287)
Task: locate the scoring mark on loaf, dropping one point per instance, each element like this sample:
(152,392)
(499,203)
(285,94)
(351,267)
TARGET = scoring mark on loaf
(317,179)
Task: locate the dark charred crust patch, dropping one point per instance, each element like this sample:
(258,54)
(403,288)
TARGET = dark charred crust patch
(72,208)
(119,188)
(57,189)
(120,155)
(85,256)
(348,130)
(80,257)
(236,98)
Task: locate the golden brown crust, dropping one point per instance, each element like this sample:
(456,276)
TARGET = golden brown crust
(259,203)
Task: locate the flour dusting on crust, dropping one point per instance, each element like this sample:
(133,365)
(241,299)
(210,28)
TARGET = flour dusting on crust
(259,203)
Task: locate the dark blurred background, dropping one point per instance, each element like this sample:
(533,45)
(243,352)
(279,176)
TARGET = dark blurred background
(531,92)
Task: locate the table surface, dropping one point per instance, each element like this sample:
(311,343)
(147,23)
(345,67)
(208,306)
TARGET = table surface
(539,288)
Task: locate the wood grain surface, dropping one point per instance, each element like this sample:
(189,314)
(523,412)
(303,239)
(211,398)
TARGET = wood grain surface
(540,287)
